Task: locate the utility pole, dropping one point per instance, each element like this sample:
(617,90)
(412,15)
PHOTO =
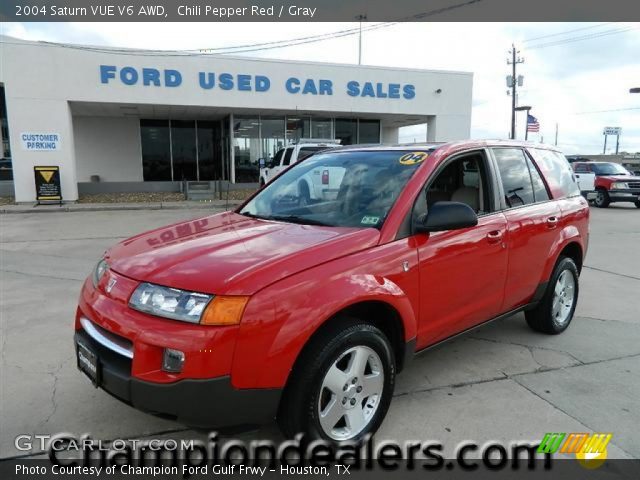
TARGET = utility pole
(515,59)
(556,142)
(360,18)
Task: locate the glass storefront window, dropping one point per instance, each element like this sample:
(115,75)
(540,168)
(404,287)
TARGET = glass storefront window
(347,130)
(369,131)
(183,150)
(273,138)
(156,150)
(6,168)
(298,127)
(247,151)
(321,128)
(209,150)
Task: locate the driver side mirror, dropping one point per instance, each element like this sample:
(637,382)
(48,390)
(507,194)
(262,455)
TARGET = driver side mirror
(446,216)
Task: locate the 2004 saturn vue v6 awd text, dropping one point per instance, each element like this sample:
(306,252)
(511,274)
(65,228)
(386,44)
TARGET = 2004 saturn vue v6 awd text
(305,310)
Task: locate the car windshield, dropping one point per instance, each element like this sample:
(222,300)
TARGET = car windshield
(609,169)
(337,188)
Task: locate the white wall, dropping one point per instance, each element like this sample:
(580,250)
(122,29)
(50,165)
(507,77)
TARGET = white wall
(40,81)
(109,147)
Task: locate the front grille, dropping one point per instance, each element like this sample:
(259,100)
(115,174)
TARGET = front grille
(634,184)
(107,339)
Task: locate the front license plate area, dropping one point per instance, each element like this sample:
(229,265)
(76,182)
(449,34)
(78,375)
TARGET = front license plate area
(88,363)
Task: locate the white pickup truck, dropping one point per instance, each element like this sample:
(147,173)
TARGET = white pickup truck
(316,184)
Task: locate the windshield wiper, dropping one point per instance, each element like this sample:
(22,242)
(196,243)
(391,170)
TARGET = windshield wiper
(297,219)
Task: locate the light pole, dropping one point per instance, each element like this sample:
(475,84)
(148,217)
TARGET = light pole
(360,18)
(525,108)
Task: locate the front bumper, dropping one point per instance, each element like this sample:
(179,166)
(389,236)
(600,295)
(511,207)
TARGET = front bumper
(210,403)
(626,195)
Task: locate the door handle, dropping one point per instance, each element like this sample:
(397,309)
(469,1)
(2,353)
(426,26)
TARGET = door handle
(494,236)
(552,222)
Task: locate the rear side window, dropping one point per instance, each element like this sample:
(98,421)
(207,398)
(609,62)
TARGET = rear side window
(540,193)
(287,156)
(516,179)
(581,168)
(557,172)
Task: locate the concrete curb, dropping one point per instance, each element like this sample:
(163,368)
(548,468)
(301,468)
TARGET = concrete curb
(107,207)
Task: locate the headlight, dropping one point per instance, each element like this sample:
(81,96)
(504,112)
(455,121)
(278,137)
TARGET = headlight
(187,306)
(619,186)
(169,302)
(99,271)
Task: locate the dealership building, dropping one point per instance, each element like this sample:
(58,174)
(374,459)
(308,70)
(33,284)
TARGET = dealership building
(122,120)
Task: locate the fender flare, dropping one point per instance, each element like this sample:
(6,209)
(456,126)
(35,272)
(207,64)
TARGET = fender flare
(569,234)
(292,328)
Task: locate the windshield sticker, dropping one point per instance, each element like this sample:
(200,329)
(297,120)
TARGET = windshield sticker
(369,220)
(413,158)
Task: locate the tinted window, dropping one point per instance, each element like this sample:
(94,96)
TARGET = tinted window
(581,168)
(540,193)
(156,150)
(287,157)
(557,172)
(306,151)
(516,180)
(278,157)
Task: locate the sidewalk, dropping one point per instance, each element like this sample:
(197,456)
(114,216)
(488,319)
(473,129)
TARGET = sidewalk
(97,207)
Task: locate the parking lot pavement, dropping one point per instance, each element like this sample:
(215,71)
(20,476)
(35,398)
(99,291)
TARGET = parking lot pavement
(501,382)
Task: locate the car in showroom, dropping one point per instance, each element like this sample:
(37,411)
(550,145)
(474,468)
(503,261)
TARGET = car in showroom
(305,312)
(612,183)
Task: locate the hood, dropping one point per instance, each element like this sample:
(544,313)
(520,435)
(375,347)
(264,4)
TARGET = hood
(230,254)
(621,178)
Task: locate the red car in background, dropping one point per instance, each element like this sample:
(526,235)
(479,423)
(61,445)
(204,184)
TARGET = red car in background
(305,312)
(613,183)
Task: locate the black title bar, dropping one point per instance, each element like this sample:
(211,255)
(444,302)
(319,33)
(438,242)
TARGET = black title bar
(318,10)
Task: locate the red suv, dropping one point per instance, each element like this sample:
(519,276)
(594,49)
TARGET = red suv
(306,311)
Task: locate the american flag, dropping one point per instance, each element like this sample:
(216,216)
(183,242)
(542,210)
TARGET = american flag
(532,124)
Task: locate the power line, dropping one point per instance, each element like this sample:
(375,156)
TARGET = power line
(565,32)
(607,111)
(583,37)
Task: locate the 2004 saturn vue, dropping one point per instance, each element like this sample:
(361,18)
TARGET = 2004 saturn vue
(303,308)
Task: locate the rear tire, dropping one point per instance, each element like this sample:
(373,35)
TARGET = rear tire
(637,204)
(342,385)
(602,199)
(555,311)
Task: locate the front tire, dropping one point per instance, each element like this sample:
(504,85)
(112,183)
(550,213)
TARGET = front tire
(602,199)
(637,203)
(555,311)
(342,385)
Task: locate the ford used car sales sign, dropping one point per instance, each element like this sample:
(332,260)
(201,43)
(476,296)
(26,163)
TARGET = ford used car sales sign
(41,142)
(153,77)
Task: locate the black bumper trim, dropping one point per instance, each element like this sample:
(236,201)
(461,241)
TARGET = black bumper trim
(204,403)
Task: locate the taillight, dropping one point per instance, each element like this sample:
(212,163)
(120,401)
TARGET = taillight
(325,177)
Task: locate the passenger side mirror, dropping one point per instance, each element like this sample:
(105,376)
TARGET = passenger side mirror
(446,216)
(261,162)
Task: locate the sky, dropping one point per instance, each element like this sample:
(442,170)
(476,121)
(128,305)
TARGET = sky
(577,76)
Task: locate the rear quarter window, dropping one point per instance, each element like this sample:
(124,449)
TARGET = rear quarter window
(557,172)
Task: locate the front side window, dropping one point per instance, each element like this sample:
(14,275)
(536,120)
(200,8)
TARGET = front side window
(516,179)
(463,180)
(338,189)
